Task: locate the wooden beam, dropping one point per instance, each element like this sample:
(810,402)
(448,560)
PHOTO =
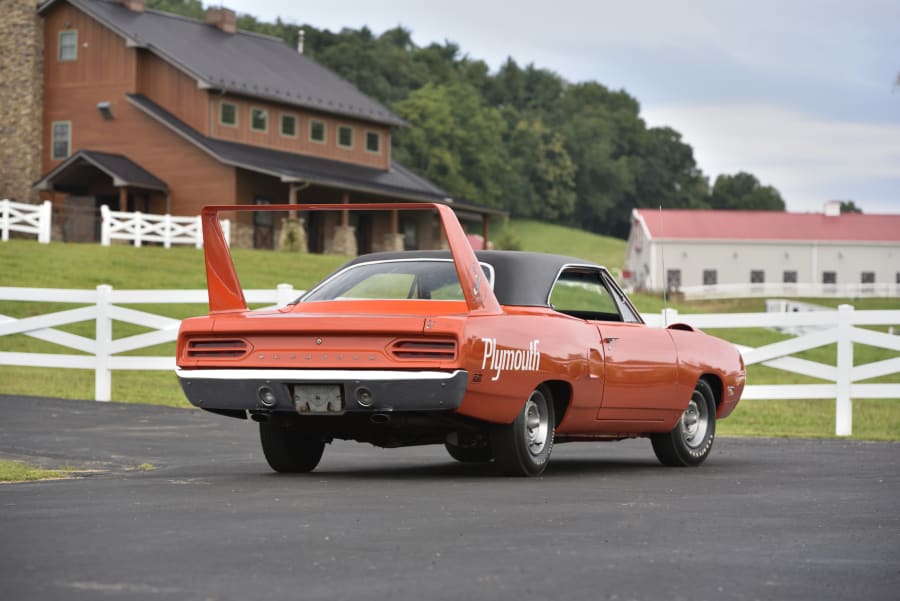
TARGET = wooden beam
(123,198)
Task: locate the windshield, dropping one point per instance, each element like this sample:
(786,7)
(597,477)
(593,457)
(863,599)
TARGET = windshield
(423,279)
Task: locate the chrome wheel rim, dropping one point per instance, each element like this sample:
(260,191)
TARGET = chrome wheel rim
(695,423)
(536,423)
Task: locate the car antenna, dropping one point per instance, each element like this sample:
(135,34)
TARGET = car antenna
(662,260)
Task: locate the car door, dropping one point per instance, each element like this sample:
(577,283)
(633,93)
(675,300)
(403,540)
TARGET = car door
(639,364)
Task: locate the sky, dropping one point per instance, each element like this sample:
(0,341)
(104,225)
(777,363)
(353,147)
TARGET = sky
(803,94)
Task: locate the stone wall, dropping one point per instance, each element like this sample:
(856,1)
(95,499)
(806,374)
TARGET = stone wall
(21,99)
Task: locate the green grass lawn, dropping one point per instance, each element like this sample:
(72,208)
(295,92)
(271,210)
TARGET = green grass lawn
(16,471)
(25,263)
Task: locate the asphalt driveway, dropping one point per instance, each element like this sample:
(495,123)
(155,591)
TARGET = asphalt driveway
(762,519)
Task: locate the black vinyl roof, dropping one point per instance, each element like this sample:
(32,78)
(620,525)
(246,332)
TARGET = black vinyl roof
(522,279)
(122,170)
(243,63)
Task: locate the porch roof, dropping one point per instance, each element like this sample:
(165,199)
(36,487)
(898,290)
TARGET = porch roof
(123,171)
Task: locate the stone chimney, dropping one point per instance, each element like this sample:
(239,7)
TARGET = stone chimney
(223,18)
(136,6)
(21,99)
(833,208)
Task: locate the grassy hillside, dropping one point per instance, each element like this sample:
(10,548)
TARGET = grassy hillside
(545,237)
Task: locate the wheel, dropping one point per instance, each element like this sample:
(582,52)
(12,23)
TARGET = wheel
(691,441)
(523,447)
(289,451)
(469,454)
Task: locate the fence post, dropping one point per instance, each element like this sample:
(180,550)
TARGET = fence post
(102,373)
(44,222)
(843,415)
(105,225)
(4,218)
(284,293)
(198,241)
(167,231)
(138,222)
(669,316)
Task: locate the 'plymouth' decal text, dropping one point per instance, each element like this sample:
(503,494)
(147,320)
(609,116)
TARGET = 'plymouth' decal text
(499,360)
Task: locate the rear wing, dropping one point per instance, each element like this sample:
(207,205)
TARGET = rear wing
(224,287)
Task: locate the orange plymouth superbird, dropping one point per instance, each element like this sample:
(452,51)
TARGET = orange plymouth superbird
(497,355)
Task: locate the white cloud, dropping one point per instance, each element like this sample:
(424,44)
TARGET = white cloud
(808,159)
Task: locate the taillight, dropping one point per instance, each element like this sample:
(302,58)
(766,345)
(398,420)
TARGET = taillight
(423,349)
(216,349)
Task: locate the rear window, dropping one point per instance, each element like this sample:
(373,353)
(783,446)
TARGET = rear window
(421,279)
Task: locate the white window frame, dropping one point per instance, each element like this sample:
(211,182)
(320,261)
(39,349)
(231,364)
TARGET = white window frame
(377,135)
(312,123)
(53,155)
(236,114)
(74,46)
(281,125)
(265,114)
(340,128)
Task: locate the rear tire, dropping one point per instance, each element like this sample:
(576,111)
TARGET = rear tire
(469,454)
(523,447)
(289,451)
(691,441)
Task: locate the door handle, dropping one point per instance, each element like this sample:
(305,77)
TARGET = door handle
(610,339)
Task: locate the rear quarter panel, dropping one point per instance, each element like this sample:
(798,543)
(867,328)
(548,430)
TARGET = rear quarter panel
(700,354)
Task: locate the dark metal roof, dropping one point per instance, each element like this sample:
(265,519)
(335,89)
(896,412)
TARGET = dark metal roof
(398,181)
(242,63)
(122,170)
(522,279)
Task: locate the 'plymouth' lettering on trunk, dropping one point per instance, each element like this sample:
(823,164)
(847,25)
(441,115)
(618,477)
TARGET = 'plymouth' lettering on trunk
(498,360)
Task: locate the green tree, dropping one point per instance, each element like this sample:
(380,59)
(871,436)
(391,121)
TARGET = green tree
(455,140)
(848,206)
(545,188)
(743,191)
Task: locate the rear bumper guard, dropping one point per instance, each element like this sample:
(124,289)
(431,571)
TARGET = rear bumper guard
(360,391)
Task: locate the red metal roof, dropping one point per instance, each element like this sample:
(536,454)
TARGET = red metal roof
(687,224)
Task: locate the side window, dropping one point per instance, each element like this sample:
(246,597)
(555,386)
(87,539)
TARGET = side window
(61,144)
(580,292)
(68,45)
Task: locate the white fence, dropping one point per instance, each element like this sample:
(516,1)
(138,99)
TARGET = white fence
(831,327)
(25,218)
(103,354)
(779,289)
(140,227)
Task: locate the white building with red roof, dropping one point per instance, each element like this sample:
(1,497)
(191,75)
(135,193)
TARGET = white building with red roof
(764,253)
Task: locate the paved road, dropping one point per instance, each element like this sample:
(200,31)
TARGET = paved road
(762,519)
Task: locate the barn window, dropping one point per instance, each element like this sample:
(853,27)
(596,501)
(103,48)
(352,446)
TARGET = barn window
(829,277)
(345,136)
(867,277)
(790,277)
(373,142)
(757,276)
(710,277)
(317,131)
(68,45)
(61,144)
(228,114)
(673,279)
(288,126)
(259,120)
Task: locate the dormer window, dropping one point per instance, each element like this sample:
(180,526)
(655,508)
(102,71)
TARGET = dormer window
(228,114)
(345,136)
(259,120)
(68,45)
